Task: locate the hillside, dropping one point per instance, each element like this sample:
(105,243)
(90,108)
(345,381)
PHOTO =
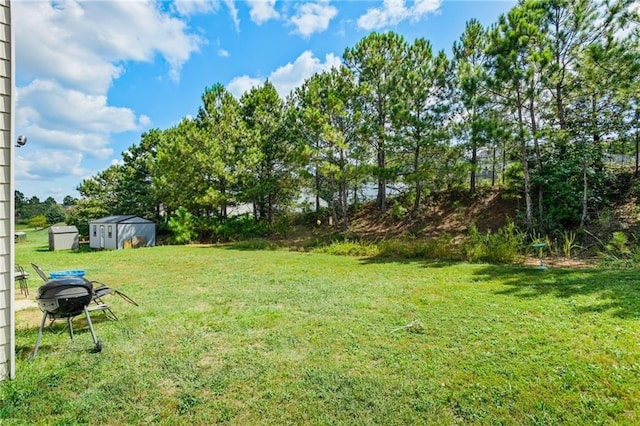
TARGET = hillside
(451,212)
(490,209)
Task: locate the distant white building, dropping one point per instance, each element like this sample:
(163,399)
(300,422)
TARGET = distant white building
(123,231)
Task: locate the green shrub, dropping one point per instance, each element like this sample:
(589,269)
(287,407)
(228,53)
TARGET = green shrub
(618,252)
(502,246)
(233,228)
(38,222)
(441,248)
(397,210)
(350,248)
(242,227)
(182,226)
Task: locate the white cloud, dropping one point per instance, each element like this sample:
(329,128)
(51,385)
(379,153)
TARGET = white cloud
(423,7)
(68,53)
(262,10)
(48,164)
(313,17)
(60,108)
(393,12)
(287,77)
(144,121)
(84,45)
(241,84)
(223,53)
(233,11)
(194,7)
(93,144)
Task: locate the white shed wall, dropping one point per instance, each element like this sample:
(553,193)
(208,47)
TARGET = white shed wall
(103,239)
(126,231)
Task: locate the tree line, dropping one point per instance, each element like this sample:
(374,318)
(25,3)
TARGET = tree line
(32,210)
(537,102)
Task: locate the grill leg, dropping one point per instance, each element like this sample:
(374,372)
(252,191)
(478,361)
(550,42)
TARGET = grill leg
(39,338)
(70,325)
(93,333)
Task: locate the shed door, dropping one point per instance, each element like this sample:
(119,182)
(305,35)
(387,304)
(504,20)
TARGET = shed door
(101,236)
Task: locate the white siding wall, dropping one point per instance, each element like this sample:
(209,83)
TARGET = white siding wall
(7,324)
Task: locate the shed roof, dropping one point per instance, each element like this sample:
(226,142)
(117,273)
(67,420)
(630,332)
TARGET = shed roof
(121,219)
(63,230)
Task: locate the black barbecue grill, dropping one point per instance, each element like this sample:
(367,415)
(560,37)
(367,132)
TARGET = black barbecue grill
(65,297)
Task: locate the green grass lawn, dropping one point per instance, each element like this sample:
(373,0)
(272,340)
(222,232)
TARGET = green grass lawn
(224,334)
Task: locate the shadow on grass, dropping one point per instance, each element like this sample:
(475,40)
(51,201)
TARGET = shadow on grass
(618,289)
(82,248)
(376,260)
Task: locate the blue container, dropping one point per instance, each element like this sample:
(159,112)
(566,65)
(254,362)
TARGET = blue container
(66,274)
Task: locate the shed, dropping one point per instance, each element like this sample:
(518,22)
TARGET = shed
(63,238)
(123,231)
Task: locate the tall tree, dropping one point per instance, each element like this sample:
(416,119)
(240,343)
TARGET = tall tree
(328,123)
(422,114)
(220,119)
(594,111)
(510,66)
(375,61)
(471,61)
(272,183)
(103,187)
(177,175)
(137,195)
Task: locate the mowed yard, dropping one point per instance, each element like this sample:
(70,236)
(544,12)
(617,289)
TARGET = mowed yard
(241,336)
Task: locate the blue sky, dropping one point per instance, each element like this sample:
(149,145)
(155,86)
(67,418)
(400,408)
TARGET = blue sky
(92,76)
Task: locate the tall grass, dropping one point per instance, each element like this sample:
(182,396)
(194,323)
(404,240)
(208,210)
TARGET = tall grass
(235,335)
(502,246)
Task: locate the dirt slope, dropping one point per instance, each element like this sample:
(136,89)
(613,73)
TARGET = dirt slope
(451,212)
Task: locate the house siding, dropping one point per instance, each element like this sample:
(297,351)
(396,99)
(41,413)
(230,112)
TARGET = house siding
(7,322)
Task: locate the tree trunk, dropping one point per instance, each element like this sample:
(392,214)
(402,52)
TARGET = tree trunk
(317,183)
(334,212)
(559,100)
(472,175)
(585,188)
(382,182)
(585,177)
(504,163)
(493,167)
(343,204)
(344,192)
(416,166)
(474,154)
(525,166)
(637,142)
(534,132)
(223,206)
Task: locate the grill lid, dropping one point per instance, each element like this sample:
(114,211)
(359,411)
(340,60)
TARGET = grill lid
(58,284)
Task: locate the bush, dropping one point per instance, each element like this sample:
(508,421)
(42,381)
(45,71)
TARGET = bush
(38,222)
(241,227)
(502,246)
(619,253)
(54,214)
(182,226)
(350,248)
(440,248)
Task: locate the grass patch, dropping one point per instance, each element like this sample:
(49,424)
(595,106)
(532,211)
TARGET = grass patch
(231,334)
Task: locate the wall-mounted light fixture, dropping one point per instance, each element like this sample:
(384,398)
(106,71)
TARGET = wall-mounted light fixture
(22,140)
